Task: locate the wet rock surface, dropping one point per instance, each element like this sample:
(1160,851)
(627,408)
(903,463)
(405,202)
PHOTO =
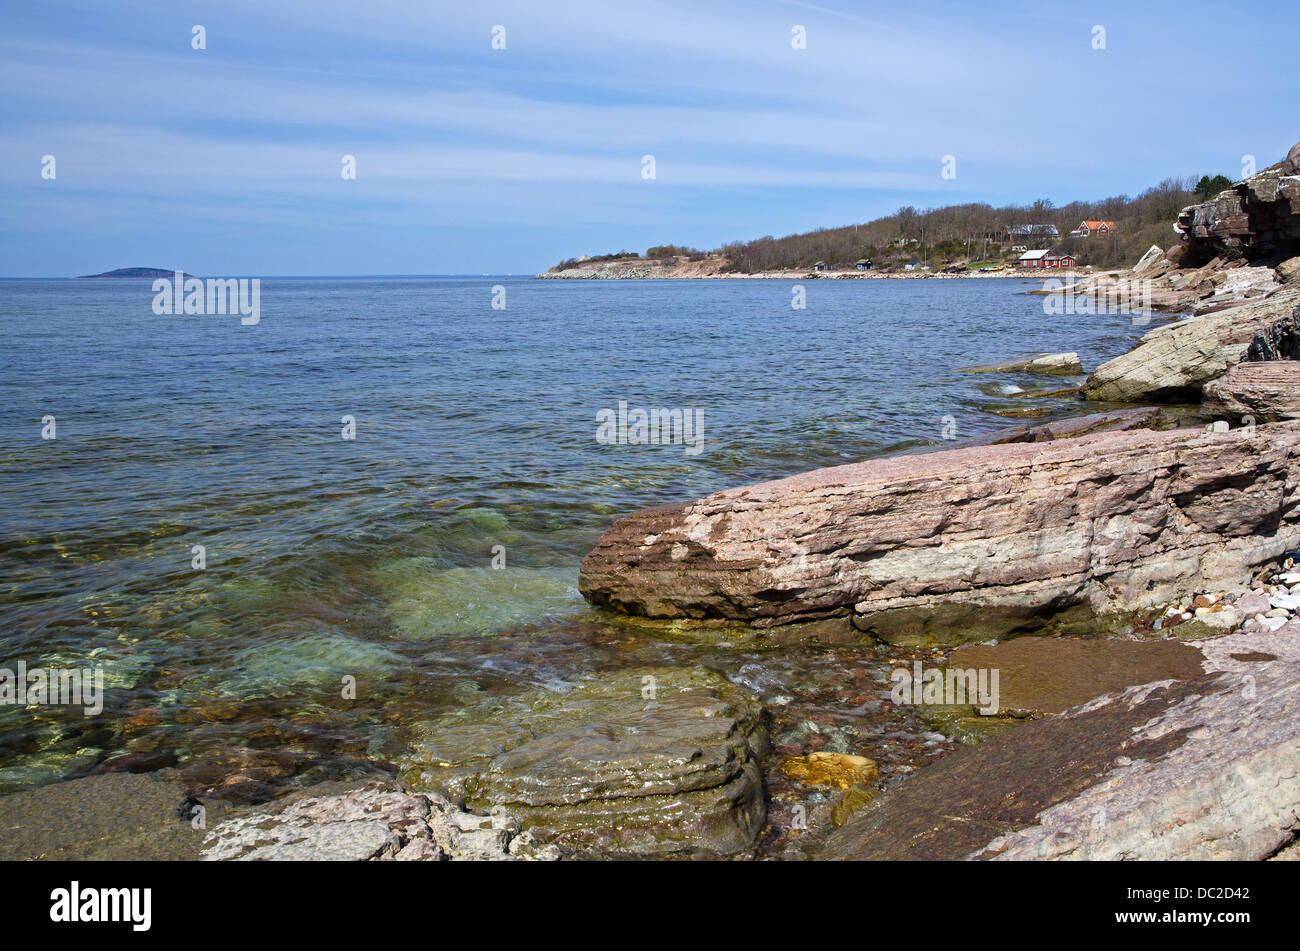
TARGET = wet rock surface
(653,761)
(840,770)
(110,817)
(1038,675)
(966,544)
(1121,420)
(1203,768)
(1044,364)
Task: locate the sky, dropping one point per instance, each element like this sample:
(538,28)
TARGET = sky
(228,160)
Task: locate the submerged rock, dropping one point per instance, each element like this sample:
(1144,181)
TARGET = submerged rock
(852,799)
(841,770)
(1045,364)
(1146,417)
(654,761)
(426,599)
(1041,675)
(117,817)
(966,544)
(279,666)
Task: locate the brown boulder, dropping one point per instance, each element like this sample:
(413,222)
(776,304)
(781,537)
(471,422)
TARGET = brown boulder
(1254,216)
(1288,271)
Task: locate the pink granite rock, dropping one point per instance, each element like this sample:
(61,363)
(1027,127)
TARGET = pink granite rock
(969,543)
(1259,392)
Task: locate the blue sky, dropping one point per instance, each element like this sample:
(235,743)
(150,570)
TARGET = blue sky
(226,160)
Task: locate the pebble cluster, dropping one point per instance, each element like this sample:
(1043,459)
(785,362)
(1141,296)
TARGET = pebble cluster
(1272,601)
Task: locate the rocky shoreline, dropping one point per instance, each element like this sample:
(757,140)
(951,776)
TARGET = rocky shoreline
(1087,539)
(774,669)
(713,269)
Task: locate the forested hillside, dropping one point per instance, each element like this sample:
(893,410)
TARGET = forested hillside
(964,235)
(977,232)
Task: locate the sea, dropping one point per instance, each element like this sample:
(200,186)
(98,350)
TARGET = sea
(283,543)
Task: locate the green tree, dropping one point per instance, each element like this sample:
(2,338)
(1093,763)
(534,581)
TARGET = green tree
(1208,187)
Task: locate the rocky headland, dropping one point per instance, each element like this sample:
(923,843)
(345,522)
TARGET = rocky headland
(717,267)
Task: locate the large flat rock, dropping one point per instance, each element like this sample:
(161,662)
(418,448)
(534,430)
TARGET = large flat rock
(966,544)
(1174,362)
(656,761)
(1203,768)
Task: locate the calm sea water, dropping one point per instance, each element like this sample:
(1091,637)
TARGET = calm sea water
(372,558)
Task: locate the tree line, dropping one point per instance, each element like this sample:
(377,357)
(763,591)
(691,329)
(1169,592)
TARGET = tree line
(968,234)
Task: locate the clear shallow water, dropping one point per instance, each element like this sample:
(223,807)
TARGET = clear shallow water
(372,558)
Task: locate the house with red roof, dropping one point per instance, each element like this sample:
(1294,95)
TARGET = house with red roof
(1089,228)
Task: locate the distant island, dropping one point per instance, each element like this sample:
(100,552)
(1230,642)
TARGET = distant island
(131,272)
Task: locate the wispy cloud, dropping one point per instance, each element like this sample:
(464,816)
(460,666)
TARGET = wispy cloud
(546,136)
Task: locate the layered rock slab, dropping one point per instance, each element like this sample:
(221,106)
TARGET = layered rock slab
(1260,392)
(1044,364)
(646,762)
(1256,213)
(1206,768)
(966,544)
(1174,362)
